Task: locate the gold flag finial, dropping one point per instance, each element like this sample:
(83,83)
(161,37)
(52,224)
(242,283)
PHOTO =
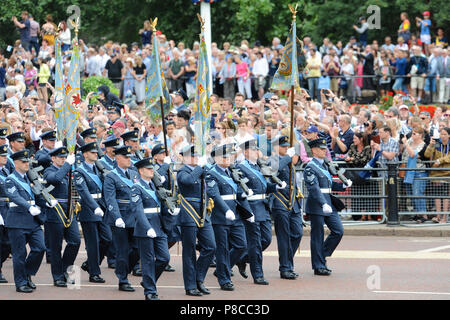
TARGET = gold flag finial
(154,23)
(201,21)
(75,24)
(294,11)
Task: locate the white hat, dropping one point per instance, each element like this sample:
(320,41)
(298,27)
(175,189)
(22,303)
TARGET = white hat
(403,106)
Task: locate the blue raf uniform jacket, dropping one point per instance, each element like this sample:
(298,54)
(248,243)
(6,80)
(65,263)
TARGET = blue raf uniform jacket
(109,164)
(218,184)
(59,178)
(189,183)
(3,196)
(89,187)
(169,221)
(317,177)
(43,158)
(117,195)
(280,199)
(258,183)
(147,209)
(21,198)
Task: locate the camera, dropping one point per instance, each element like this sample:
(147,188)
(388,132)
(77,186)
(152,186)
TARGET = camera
(214,115)
(308,99)
(401,138)
(118,104)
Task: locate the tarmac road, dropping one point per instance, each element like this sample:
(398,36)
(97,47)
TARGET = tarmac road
(364,268)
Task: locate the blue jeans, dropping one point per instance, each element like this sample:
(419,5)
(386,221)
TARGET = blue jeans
(313,84)
(417,188)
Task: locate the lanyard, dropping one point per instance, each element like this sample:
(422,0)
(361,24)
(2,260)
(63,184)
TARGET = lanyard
(92,176)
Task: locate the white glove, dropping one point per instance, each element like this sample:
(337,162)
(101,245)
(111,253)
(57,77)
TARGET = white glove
(2,223)
(99,212)
(350,182)
(70,159)
(202,161)
(326,208)
(291,152)
(283,185)
(167,160)
(230,215)
(163,179)
(52,204)
(250,192)
(175,211)
(120,223)
(34,210)
(251,219)
(151,233)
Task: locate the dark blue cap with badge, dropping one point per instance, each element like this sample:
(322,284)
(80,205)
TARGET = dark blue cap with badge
(16,136)
(144,163)
(59,152)
(124,151)
(157,149)
(282,141)
(112,109)
(23,155)
(182,93)
(89,147)
(249,144)
(89,133)
(49,135)
(130,135)
(3,132)
(318,143)
(4,150)
(111,142)
(223,151)
(189,151)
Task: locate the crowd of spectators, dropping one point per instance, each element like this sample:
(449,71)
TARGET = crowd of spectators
(242,108)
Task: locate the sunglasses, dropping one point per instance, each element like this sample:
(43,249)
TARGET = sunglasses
(447,115)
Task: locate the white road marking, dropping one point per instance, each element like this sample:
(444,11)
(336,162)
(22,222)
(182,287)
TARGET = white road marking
(102,286)
(435,249)
(412,292)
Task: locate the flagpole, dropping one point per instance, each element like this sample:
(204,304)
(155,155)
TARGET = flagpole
(205,12)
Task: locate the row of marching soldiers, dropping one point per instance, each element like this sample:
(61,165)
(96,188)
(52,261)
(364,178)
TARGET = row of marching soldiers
(133,208)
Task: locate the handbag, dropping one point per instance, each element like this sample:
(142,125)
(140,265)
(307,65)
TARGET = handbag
(402,173)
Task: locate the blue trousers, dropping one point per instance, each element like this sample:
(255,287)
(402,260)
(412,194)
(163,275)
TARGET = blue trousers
(194,269)
(321,249)
(154,258)
(226,236)
(97,239)
(417,188)
(57,233)
(5,246)
(289,232)
(127,254)
(24,264)
(259,237)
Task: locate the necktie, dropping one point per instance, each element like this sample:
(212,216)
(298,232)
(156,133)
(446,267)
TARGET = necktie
(127,174)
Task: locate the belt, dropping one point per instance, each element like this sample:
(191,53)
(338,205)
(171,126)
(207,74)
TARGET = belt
(4,199)
(123,201)
(62,200)
(325,190)
(194,199)
(96,195)
(229,197)
(257,197)
(12,204)
(152,210)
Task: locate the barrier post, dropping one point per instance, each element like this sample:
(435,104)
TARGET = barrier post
(393,217)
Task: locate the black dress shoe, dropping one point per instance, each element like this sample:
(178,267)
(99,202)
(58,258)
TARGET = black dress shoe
(60,283)
(261,281)
(321,272)
(68,280)
(2,279)
(194,292)
(169,268)
(126,287)
(85,266)
(96,279)
(152,296)
(201,287)
(227,286)
(30,283)
(287,275)
(24,289)
(137,272)
(112,265)
(213,263)
(242,266)
(215,273)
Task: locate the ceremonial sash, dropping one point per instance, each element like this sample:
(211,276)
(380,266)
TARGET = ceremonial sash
(150,192)
(105,162)
(227,179)
(2,178)
(325,172)
(11,160)
(24,185)
(255,172)
(93,176)
(123,179)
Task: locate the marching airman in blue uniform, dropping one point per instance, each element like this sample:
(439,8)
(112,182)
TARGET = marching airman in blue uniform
(320,208)
(195,223)
(16,143)
(152,240)
(48,139)
(259,233)
(287,216)
(230,207)
(117,194)
(5,248)
(23,224)
(131,138)
(60,220)
(97,235)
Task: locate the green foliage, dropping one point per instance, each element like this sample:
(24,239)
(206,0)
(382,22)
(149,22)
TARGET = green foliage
(92,83)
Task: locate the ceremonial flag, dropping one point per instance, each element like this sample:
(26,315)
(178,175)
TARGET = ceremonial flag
(287,73)
(67,96)
(156,85)
(202,114)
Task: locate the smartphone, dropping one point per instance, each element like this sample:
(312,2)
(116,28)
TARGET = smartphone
(308,99)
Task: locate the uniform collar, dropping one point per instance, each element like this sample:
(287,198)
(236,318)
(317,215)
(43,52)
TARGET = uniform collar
(321,161)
